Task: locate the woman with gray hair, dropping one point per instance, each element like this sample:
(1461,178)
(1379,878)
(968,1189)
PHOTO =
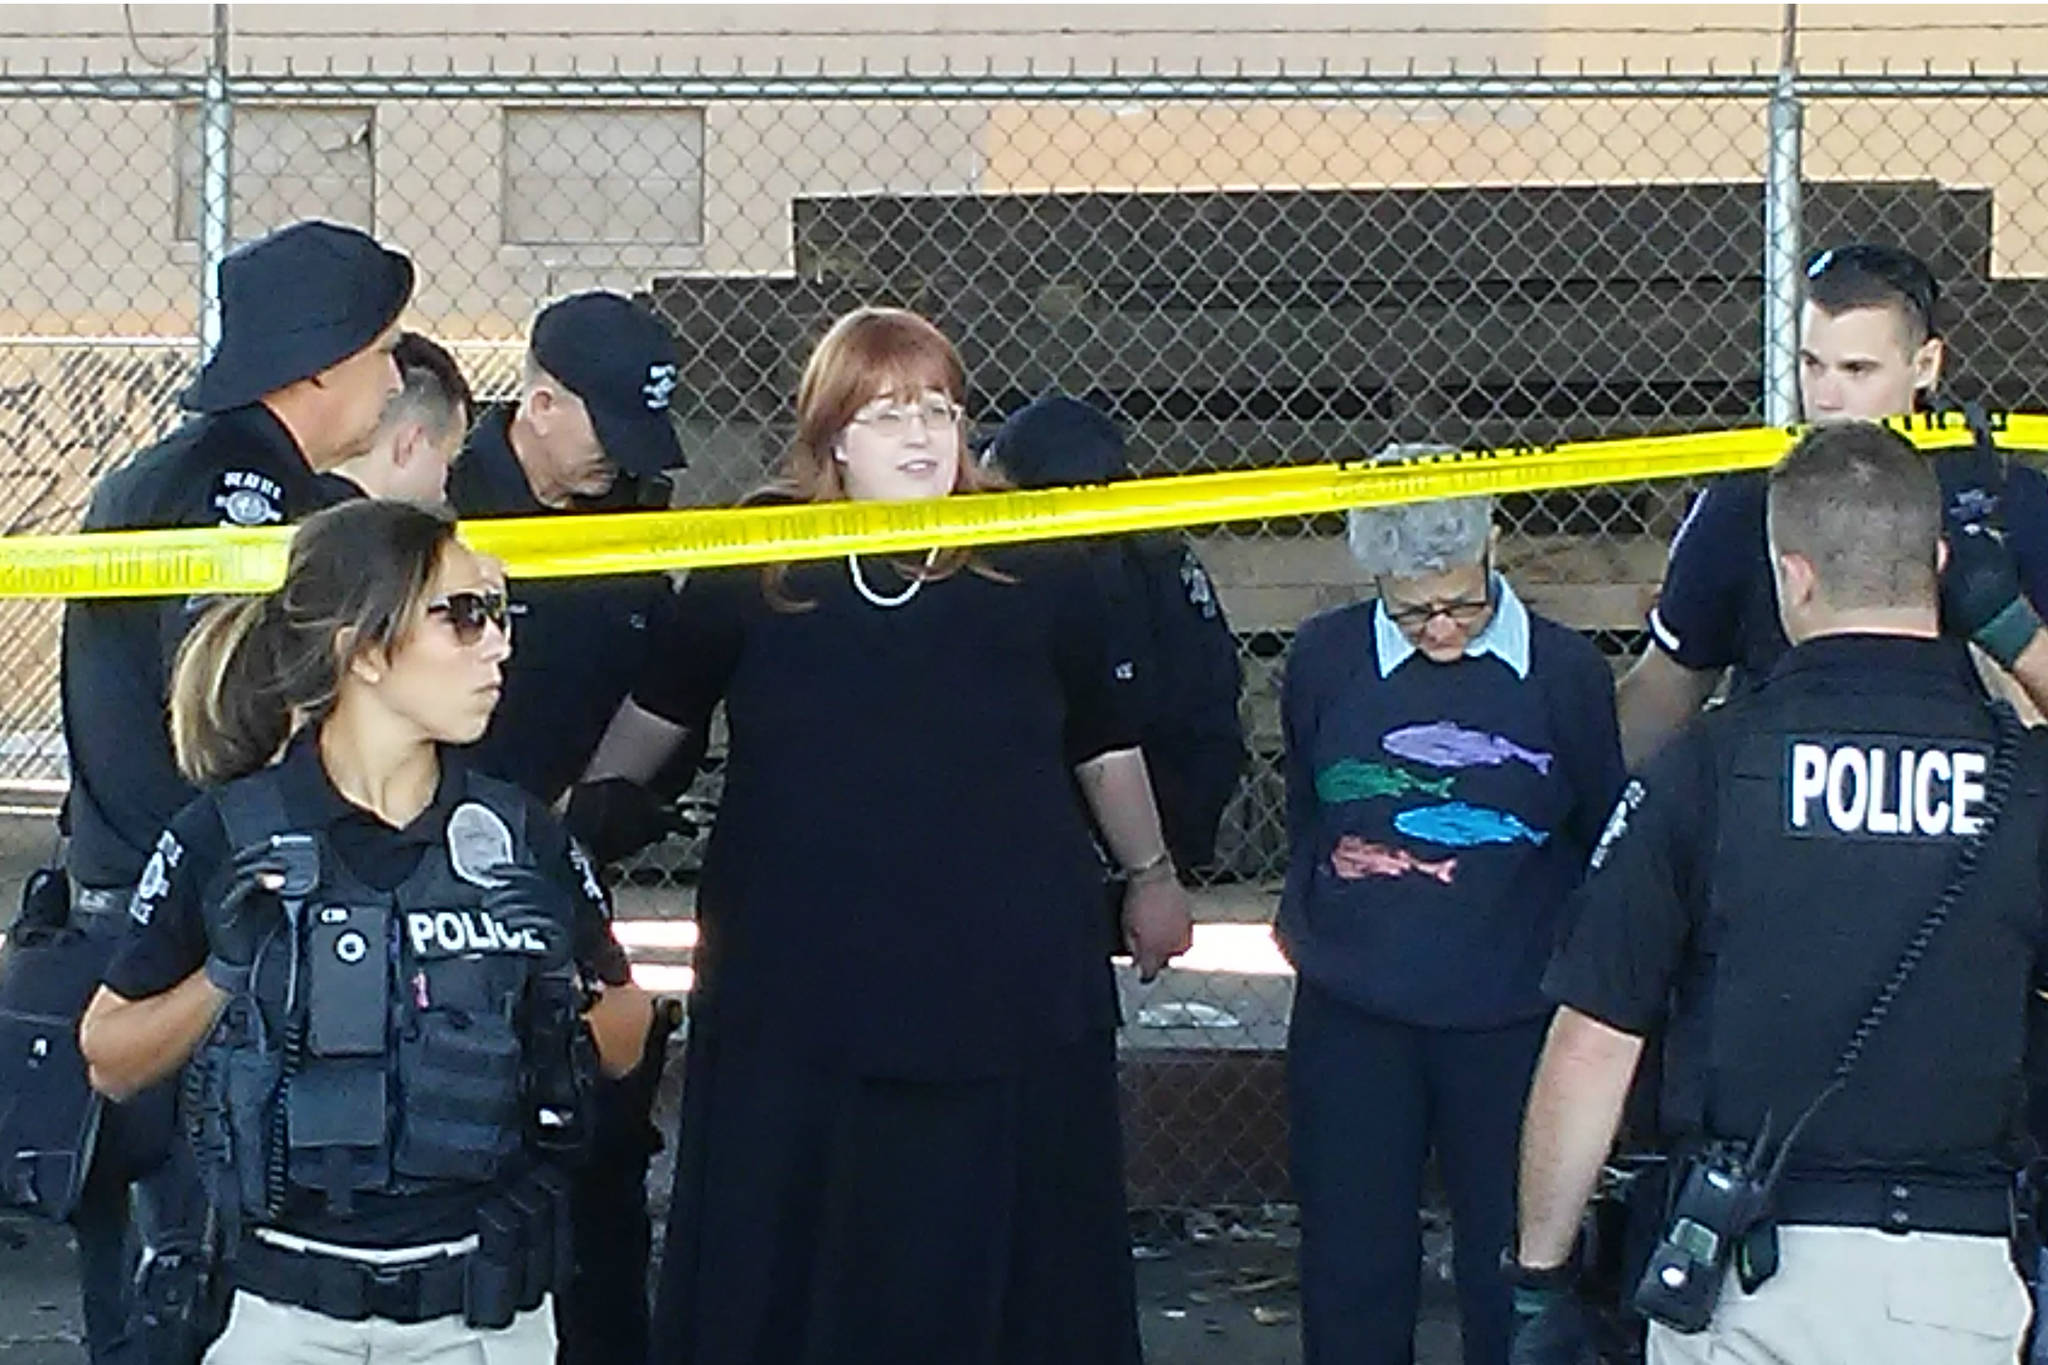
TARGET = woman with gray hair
(1451,760)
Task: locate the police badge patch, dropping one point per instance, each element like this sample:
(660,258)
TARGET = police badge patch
(246,498)
(156,878)
(1617,823)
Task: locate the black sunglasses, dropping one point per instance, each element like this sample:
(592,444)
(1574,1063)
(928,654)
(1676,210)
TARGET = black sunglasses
(1901,270)
(469,611)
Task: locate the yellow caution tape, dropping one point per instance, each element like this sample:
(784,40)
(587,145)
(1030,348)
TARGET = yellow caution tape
(228,559)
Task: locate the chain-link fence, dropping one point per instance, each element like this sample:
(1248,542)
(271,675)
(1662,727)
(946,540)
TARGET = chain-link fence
(1243,270)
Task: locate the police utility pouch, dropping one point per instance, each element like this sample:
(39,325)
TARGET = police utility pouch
(349,975)
(1720,1216)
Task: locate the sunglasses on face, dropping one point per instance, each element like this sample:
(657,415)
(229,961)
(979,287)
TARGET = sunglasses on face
(468,612)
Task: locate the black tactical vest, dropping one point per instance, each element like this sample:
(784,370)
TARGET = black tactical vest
(381,1046)
(1840,813)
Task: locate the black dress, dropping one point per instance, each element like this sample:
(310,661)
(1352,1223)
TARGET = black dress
(899,1136)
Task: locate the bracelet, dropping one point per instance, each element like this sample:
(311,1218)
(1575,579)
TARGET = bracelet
(1144,870)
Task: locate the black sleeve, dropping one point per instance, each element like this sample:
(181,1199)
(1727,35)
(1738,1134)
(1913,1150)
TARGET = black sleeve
(1698,616)
(1297,732)
(1091,652)
(598,953)
(1597,767)
(166,938)
(695,645)
(1634,916)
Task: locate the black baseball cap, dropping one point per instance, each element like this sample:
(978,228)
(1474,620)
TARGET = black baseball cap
(618,358)
(294,303)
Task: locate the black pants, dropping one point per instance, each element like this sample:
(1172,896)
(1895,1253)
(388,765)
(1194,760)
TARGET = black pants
(1367,1100)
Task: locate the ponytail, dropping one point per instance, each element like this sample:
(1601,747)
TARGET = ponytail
(228,715)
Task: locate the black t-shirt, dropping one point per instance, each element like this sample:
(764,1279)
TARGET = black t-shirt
(1810,893)
(236,468)
(189,869)
(577,643)
(901,879)
(1718,607)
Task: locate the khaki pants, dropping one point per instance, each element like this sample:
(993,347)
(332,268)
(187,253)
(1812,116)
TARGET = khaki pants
(260,1332)
(1856,1296)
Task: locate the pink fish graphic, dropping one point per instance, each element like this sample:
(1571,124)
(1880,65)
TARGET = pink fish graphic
(1447,744)
(1354,859)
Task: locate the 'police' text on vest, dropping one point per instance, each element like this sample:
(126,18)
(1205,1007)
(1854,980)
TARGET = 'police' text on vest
(1883,789)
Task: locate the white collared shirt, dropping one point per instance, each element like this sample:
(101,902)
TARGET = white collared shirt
(1506,636)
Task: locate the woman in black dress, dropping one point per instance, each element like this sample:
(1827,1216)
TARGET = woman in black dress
(900,1138)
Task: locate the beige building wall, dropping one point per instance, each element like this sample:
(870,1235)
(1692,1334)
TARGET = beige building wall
(87,197)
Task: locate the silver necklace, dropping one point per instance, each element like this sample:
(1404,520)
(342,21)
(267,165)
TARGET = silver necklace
(860,584)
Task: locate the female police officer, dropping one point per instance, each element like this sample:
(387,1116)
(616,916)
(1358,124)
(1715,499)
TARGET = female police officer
(382,954)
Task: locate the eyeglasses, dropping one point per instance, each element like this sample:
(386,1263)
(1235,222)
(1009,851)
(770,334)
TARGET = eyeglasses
(468,612)
(892,421)
(1459,611)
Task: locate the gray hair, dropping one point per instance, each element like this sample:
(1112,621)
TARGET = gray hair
(1409,539)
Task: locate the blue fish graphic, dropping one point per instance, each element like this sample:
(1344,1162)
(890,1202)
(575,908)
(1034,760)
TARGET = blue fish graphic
(1447,744)
(1459,825)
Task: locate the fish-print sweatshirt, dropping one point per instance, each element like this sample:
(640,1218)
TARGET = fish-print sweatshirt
(1438,818)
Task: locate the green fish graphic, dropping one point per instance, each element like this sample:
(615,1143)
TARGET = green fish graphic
(1351,780)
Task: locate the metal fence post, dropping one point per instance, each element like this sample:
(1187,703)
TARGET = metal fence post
(1781,238)
(216,181)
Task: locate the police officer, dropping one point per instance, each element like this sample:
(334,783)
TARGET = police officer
(302,373)
(392,968)
(1182,654)
(1832,890)
(590,429)
(1870,347)
(421,432)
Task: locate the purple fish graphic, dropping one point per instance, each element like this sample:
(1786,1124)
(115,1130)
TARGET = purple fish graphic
(1446,744)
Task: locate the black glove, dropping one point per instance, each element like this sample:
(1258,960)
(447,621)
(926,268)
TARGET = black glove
(616,818)
(1550,1328)
(526,904)
(1981,596)
(250,912)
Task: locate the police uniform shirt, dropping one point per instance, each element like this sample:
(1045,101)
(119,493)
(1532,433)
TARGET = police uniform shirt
(189,870)
(577,644)
(1718,607)
(235,468)
(1835,879)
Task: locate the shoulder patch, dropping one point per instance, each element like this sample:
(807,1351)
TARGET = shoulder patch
(156,878)
(1617,823)
(246,498)
(1194,579)
(593,887)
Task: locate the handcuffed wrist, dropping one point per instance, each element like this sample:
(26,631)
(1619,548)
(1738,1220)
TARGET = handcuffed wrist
(1157,868)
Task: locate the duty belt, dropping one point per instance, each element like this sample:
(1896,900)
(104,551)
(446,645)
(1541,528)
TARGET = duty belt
(1895,1205)
(351,1291)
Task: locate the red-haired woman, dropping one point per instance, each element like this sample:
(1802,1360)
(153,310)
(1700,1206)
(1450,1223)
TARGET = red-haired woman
(900,1138)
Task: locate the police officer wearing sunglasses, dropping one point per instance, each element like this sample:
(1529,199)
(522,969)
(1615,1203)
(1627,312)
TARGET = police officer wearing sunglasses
(1871,346)
(393,975)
